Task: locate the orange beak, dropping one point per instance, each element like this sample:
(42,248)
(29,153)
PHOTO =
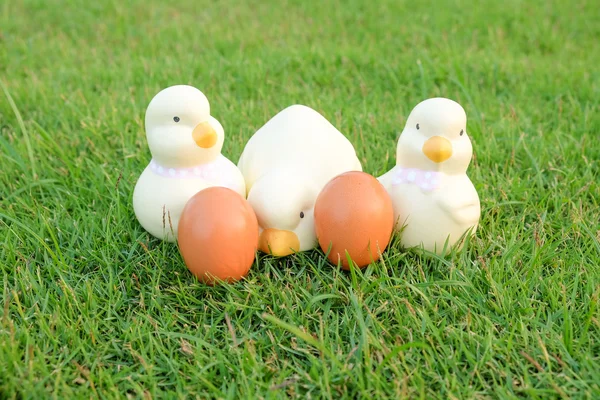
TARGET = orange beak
(204,135)
(278,242)
(437,149)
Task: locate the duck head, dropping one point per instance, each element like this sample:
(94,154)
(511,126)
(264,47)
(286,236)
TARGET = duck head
(435,138)
(179,129)
(283,201)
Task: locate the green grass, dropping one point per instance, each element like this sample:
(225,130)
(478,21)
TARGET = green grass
(91,306)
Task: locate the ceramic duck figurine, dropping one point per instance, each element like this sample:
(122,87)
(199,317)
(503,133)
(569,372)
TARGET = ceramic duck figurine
(433,197)
(286,163)
(185,142)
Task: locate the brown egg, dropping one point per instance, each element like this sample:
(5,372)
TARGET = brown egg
(354,214)
(218,235)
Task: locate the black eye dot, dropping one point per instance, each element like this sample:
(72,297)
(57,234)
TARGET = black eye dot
(176,119)
(462,131)
(417,126)
(301,214)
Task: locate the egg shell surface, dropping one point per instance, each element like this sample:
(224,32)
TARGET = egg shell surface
(354,214)
(218,235)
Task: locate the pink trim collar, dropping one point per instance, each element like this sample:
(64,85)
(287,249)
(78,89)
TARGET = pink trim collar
(426,180)
(209,171)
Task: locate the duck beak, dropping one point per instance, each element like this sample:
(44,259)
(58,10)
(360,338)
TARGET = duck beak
(204,135)
(437,149)
(278,242)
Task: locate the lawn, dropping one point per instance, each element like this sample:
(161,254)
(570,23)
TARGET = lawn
(91,306)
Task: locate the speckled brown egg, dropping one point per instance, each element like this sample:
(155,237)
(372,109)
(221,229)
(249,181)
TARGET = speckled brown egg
(218,235)
(354,214)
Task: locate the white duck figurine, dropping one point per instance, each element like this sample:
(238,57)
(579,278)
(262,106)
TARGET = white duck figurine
(434,199)
(185,142)
(286,163)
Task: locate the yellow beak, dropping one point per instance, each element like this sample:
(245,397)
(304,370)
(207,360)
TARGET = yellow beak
(278,242)
(437,149)
(204,135)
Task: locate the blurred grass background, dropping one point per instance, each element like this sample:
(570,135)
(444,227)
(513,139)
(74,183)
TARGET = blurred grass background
(94,307)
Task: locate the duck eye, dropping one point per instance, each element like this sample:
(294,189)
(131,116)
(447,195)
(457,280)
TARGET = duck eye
(176,119)
(417,126)
(301,214)
(462,131)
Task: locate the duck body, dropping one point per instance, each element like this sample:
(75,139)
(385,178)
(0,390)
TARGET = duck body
(285,165)
(434,218)
(161,193)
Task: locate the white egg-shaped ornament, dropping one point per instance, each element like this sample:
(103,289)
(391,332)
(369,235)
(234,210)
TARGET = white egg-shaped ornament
(285,164)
